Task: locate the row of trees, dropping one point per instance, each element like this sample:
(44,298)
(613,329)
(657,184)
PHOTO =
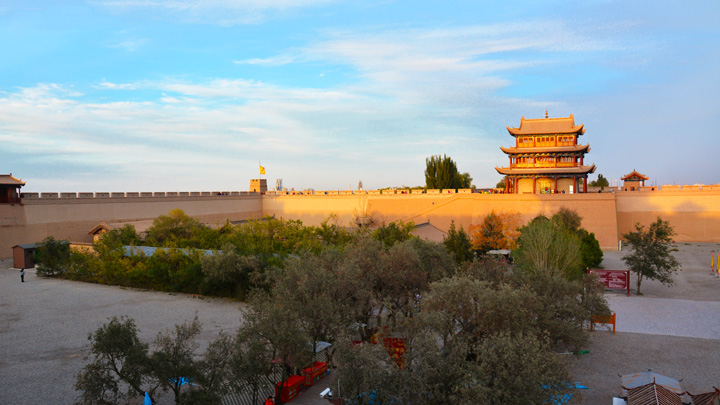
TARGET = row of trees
(475,330)
(481,332)
(559,239)
(242,259)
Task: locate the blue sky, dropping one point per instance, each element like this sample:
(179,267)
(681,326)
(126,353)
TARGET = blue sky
(167,95)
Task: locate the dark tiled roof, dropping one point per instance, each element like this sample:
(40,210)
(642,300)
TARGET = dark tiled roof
(564,125)
(635,175)
(9,180)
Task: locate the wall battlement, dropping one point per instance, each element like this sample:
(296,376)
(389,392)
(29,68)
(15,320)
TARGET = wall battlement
(694,212)
(144,194)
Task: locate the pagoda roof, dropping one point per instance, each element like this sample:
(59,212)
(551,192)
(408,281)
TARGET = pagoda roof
(9,180)
(635,176)
(542,126)
(547,149)
(546,170)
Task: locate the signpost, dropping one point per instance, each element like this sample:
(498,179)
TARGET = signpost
(614,279)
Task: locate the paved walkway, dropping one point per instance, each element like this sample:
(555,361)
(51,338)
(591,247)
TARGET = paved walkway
(663,316)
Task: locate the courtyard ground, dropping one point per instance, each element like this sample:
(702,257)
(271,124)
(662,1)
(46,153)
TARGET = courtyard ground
(44,325)
(675,331)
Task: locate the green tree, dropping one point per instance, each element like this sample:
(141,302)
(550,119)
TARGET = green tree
(547,248)
(307,288)
(651,255)
(442,173)
(120,359)
(228,273)
(52,257)
(567,218)
(213,368)
(123,368)
(519,369)
(173,361)
(601,182)
(458,244)
(590,253)
(501,183)
(172,228)
(116,239)
(394,232)
(270,321)
(251,363)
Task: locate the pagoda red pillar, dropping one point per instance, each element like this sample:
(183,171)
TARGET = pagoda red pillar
(556,185)
(507,184)
(585,184)
(534,179)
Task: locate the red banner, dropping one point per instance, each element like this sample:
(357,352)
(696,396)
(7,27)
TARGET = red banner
(614,279)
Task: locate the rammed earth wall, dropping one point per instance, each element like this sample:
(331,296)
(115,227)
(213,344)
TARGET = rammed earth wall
(695,214)
(72,219)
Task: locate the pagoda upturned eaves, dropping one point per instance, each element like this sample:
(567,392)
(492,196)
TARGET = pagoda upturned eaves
(546,157)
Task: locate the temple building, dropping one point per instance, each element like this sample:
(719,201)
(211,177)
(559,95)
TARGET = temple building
(634,181)
(547,157)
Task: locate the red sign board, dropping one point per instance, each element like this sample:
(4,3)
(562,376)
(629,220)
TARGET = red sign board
(614,279)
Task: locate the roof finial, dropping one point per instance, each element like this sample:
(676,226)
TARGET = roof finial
(546,113)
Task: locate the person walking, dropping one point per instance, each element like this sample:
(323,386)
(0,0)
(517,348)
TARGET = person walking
(22,275)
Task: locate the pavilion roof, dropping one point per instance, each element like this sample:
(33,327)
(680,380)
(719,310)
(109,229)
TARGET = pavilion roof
(546,170)
(547,149)
(635,176)
(542,126)
(653,394)
(9,180)
(706,398)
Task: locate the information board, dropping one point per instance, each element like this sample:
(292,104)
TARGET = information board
(614,279)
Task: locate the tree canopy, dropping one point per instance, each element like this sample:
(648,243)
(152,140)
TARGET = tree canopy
(473,330)
(601,182)
(442,173)
(651,255)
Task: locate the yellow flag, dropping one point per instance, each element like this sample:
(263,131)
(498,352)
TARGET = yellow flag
(262,170)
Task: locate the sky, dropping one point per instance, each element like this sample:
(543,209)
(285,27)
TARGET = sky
(193,95)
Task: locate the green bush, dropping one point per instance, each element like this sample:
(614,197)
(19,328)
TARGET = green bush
(53,257)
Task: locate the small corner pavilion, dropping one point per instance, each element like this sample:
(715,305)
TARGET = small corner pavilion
(633,181)
(10,189)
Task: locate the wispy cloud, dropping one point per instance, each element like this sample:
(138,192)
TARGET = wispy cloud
(222,12)
(130,45)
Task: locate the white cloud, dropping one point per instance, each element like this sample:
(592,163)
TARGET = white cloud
(130,45)
(222,12)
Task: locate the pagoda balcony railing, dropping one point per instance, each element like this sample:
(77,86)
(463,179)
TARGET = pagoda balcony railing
(545,165)
(543,144)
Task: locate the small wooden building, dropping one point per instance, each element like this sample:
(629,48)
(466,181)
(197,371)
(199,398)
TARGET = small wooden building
(24,255)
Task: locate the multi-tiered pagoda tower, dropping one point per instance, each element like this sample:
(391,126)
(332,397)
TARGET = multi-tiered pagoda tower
(547,157)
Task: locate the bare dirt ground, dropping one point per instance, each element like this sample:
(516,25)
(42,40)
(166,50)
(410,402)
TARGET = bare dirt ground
(659,330)
(44,325)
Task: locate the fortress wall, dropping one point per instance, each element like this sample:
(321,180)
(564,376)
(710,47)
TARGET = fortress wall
(72,219)
(597,210)
(695,215)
